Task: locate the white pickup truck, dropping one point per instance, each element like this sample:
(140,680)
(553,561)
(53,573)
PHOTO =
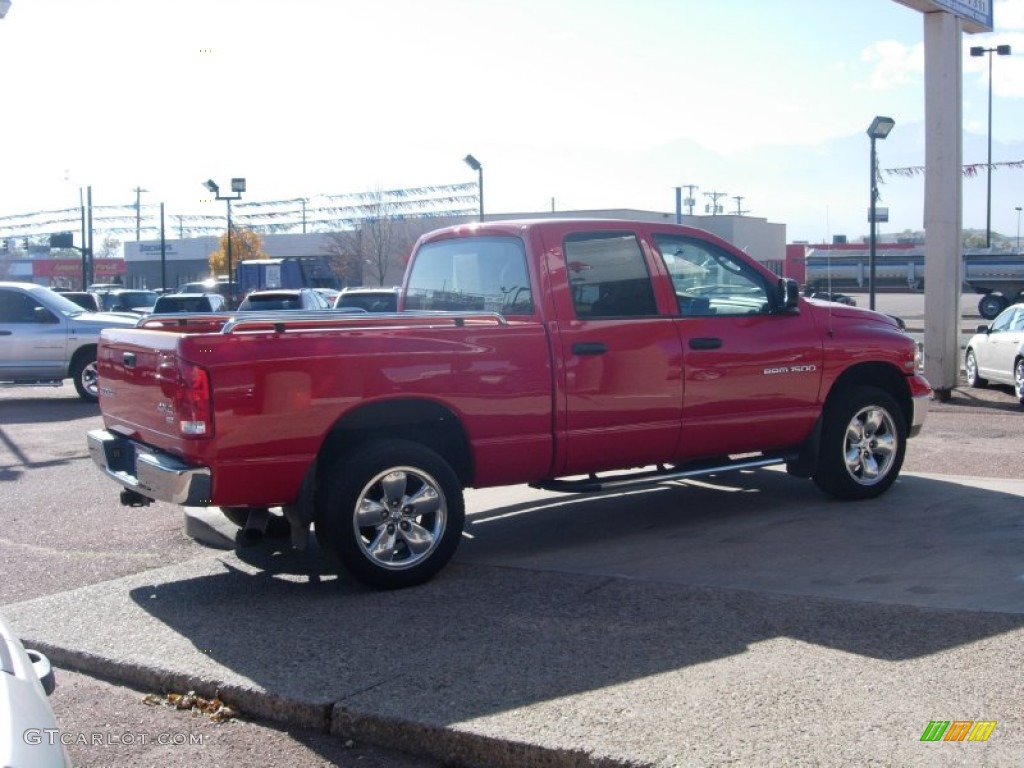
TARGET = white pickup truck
(45,338)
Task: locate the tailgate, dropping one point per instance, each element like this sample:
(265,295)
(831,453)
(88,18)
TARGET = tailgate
(137,375)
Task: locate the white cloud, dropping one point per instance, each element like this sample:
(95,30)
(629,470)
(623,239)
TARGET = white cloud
(1009,14)
(893,63)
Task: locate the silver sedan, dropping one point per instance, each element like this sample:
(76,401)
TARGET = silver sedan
(996,352)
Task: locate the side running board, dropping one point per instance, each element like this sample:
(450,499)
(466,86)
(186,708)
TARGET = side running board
(663,473)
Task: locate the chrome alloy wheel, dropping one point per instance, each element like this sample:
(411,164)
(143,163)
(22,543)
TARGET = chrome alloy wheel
(1018,380)
(90,379)
(971,369)
(871,445)
(400,518)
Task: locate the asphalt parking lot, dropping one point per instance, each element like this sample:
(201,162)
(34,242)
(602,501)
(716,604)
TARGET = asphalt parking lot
(742,620)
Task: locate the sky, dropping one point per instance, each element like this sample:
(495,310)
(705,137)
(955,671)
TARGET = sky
(572,104)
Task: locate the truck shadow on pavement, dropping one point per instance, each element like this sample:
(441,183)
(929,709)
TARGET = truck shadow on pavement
(39,410)
(14,460)
(563,595)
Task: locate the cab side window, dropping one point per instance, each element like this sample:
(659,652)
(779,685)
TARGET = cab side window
(1004,322)
(608,275)
(710,281)
(16,307)
(1018,323)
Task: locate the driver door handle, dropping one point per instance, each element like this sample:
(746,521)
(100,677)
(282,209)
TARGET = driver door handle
(705,343)
(589,348)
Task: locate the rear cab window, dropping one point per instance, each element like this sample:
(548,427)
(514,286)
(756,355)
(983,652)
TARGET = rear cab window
(471,274)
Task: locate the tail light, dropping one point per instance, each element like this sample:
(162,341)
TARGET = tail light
(192,403)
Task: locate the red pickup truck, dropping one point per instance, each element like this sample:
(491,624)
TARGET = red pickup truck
(574,355)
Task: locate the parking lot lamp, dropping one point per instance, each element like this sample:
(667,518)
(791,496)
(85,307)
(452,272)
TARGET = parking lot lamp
(879,129)
(1000,50)
(238,187)
(475,164)
(1018,229)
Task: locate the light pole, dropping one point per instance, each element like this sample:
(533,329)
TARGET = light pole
(238,187)
(475,164)
(1018,229)
(879,129)
(138,211)
(1001,50)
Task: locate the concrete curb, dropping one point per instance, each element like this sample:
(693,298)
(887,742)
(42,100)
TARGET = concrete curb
(248,701)
(451,746)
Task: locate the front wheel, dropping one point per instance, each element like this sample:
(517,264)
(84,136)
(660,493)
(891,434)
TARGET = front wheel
(84,374)
(392,513)
(1018,380)
(863,444)
(971,369)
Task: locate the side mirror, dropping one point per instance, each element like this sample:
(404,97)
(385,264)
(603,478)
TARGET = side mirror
(982,329)
(787,295)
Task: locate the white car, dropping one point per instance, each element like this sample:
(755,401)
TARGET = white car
(370,299)
(29,735)
(996,352)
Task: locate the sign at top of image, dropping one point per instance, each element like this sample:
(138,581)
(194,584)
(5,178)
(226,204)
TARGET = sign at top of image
(976,14)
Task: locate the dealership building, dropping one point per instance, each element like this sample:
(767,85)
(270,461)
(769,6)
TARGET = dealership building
(152,264)
(171,262)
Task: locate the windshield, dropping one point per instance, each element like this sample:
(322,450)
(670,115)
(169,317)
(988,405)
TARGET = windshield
(64,306)
(123,300)
(141,299)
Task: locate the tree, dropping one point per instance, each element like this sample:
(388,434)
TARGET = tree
(245,244)
(375,246)
(343,257)
(109,248)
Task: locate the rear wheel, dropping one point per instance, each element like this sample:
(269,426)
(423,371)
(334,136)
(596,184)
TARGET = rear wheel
(862,446)
(84,374)
(992,304)
(971,370)
(392,513)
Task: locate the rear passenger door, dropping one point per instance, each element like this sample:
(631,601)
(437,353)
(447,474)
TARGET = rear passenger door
(622,361)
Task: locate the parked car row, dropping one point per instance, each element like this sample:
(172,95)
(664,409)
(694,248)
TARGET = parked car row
(102,299)
(210,296)
(48,337)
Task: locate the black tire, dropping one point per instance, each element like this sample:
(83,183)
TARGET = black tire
(384,500)
(971,370)
(1018,380)
(84,374)
(863,442)
(991,304)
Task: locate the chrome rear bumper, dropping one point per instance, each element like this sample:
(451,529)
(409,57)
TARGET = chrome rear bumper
(152,473)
